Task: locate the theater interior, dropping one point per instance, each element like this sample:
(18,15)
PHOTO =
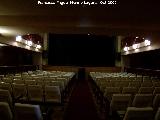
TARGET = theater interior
(79,60)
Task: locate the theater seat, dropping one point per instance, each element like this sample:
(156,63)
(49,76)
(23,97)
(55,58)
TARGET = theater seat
(109,91)
(5,111)
(130,90)
(52,94)
(35,93)
(27,112)
(156,101)
(134,113)
(120,102)
(19,92)
(6,86)
(5,96)
(143,100)
(145,90)
(156,90)
(30,82)
(157,116)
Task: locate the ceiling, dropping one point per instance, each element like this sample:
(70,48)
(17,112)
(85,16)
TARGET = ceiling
(123,18)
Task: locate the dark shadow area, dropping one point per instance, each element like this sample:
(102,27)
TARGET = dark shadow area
(146,60)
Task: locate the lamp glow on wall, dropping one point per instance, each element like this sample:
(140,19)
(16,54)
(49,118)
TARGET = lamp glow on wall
(28,43)
(137,45)
(126,48)
(147,42)
(19,38)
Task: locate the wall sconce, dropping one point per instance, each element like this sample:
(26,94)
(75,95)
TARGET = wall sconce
(125,48)
(28,43)
(147,42)
(19,38)
(135,46)
(38,46)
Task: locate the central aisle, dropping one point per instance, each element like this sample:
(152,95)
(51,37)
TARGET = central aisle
(81,105)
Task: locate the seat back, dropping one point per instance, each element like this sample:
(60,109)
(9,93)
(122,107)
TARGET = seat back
(35,93)
(129,90)
(20,92)
(134,113)
(157,115)
(145,90)
(156,90)
(156,101)
(30,82)
(6,86)
(120,101)
(142,100)
(52,94)
(5,96)
(27,112)
(109,91)
(5,111)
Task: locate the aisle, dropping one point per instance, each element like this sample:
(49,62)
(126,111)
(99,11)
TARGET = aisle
(81,105)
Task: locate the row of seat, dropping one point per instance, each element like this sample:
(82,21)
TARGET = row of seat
(20,112)
(127,83)
(34,94)
(122,101)
(36,91)
(33,112)
(147,113)
(131,90)
(33,83)
(121,76)
(41,76)
(123,92)
(10,86)
(33,89)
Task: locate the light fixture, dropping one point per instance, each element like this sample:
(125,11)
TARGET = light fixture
(126,48)
(147,42)
(19,38)
(135,46)
(29,43)
(38,46)
(25,42)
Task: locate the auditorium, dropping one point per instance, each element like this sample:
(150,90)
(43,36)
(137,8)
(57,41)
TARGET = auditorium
(79,60)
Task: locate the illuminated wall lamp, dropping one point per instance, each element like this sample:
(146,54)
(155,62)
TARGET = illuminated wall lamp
(147,42)
(29,43)
(126,48)
(135,46)
(38,46)
(19,38)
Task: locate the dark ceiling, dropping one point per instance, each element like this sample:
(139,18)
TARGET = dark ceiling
(123,18)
